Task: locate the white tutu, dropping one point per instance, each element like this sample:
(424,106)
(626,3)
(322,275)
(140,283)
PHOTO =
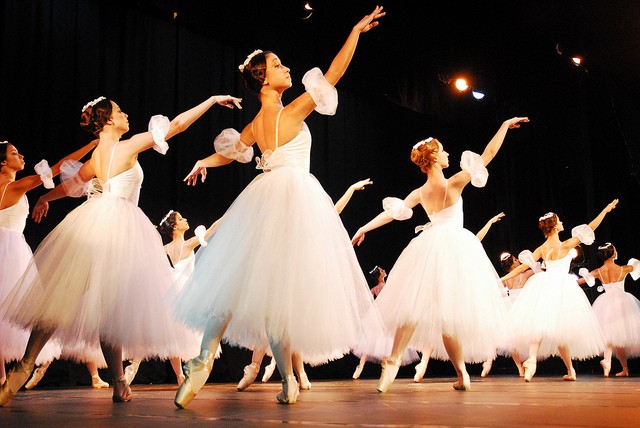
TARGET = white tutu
(553,308)
(282,265)
(619,315)
(444,283)
(101,275)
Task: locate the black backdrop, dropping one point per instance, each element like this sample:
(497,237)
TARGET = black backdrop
(579,151)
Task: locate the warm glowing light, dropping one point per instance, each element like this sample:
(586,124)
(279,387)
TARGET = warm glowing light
(461,84)
(307,6)
(308,10)
(576,60)
(477,95)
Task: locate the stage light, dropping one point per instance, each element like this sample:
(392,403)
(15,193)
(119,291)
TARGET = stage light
(308,10)
(577,61)
(477,95)
(461,84)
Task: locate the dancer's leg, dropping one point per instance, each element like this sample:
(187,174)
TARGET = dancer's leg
(566,358)
(113,357)
(456,356)
(283,355)
(3,372)
(298,367)
(421,367)
(251,371)
(268,370)
(391,365)
(358,371)
(516,359)
(37,375)
(96,382)
(176,365)
(531,363)
(622,356)
(606,360)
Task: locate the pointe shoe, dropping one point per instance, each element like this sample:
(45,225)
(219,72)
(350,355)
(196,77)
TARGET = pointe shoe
(465,385)
(250,374)
(304,383)
(358,371)
(421,369)
(606,367)
(290,391)
(16,378)
(96,382)
(37,376)
(121,391)
(390,367)
(529,369)
(130,371)
(268,370)
(623,373)
(486,368)
(196,372)
(571,376)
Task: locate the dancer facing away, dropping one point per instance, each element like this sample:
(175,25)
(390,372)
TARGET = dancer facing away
(15,252)
(119,308)
(552,314)
(617,310)
(261,281)
(443,283)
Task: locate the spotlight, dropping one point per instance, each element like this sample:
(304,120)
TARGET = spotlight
(577,61)
(308,10)
(477,95)
(461,84)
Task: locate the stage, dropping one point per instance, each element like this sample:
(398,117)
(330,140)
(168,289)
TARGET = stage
(591,401)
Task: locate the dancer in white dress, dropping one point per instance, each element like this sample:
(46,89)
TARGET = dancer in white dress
(104,263)
(262,280)
(443,284)
(617,310)
(15,253)
(552,314)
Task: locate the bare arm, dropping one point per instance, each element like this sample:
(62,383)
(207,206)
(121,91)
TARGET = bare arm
(485,229)
(494,145)
(515,272)
(344,200)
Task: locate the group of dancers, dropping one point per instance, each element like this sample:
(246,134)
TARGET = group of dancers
(278,273)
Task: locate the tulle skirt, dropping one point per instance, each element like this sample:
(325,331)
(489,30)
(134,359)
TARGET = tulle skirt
(101,274)
(553,308)
(444,283)
(282,266)
(16,254)
(619,315)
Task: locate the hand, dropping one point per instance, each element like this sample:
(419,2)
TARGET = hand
(496,218)
(611,206)
(40,210)
(369,21)
(358,238)
(515,122)
(227,101)
(192,177)
(360,184)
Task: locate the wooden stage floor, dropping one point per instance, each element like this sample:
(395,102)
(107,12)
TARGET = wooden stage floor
(495,401)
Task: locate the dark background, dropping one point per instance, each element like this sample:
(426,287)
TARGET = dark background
(580,150)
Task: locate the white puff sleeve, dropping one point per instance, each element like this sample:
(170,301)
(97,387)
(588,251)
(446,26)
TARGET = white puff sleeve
(71,183)
(396,208)
(323,93)
(584,233)
(526,258)
(635,273)
(474,165)
(43,169)
(229,145)
(588,278)
(159,127)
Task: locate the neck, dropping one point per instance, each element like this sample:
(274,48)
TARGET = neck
(9,174)
(271,97)
(178,235)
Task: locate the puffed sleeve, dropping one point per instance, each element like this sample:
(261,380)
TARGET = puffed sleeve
(584,233)
(43,169)
(396,208)
(323,93)
(635,273)
(588,278)
(71,183)
(526,258)
(229,145)
(159,126)
(474,165)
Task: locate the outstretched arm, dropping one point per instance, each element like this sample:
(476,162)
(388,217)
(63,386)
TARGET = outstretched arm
(485,229)
(523,267)
(344,200)
(496,142)
(596,221)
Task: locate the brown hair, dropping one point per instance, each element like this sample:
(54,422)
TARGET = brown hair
(95,117)
(254,73)
(425,154)
(547,222)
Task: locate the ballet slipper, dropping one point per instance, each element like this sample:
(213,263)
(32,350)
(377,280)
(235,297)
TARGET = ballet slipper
(121,391)
(358,371)
(17,377)
(606,367)
(96,382)
(570,376)
(268,370)
(421,369)
(290,390)
(304,384)
(464,384)
(130,371)
(37,376)
(486,368)
(196,372)
(250,374)
(529,365)
(390,367)
(623,373)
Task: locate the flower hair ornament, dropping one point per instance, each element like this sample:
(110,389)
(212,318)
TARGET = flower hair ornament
(504,256)
(92,103)
(605,245)
(166,217)
(546,216)
(248,60)
(375,268)
(425,141)
(4,142)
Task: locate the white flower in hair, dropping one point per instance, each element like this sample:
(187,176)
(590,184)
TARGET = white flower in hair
(92,103)
(546,216)
(166,217)
(248,60)
(425,141)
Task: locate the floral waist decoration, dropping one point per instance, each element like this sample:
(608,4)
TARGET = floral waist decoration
(423,227)
(269,160)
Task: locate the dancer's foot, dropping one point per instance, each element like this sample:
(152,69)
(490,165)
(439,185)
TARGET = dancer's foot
(197,372)
(268,370)
(486,368)
(606,367)
(623,373)
(130,371)
(358,371)
(463,383)
(390,367)
(250,374)
(37,376)
(421,369)
(520,370)
(121,391)
(305,385)
(529,368)
(96,382)
(17,377)
(570,376)
(180,378)
(290,390)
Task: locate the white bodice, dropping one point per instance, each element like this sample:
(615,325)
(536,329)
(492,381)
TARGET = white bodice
(296,153)
(451,216)
(560,265)
(613,287)
(126,185)
(15,217)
